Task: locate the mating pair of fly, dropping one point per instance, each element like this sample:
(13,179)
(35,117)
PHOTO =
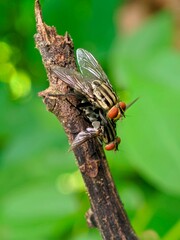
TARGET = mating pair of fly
(99,102)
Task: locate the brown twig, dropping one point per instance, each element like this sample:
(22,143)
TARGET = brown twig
(107,212)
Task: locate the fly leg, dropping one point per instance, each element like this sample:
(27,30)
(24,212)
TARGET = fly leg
(72,93)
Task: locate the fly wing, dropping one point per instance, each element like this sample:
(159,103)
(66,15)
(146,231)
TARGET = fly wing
(73,79)
(89,66)
(83,137)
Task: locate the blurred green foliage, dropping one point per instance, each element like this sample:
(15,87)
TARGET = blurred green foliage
(42,195)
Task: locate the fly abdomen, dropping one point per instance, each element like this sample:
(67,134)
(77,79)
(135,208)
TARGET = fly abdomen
(104,96)
(89,110)
(90,114)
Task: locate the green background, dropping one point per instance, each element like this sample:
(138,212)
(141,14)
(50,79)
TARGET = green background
(42,196)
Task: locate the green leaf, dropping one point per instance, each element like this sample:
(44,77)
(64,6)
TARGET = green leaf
(151,130)
(174,233)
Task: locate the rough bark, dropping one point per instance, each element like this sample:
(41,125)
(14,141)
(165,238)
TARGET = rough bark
(106,212)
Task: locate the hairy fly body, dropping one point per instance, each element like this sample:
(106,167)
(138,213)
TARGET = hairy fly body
(93,83)
(105,131)
(99,102)
(103,128)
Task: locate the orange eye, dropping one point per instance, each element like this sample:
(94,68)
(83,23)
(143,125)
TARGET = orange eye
(113,145)
(110,146)
(122,105)
(113,112)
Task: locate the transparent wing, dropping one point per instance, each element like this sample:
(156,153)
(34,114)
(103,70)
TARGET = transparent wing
(89,66)
(74,79)
(83,137)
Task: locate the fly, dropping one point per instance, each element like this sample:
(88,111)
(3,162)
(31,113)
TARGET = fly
(104,133)
(103,129)
(93,84)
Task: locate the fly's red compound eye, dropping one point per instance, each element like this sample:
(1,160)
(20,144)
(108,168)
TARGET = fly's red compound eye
(110,146)
(113,112)
(113,145)
(122,106)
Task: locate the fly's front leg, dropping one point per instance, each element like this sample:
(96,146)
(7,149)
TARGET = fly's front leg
(72,93)
(62,95)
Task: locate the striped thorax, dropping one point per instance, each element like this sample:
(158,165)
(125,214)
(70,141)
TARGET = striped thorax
(105,97)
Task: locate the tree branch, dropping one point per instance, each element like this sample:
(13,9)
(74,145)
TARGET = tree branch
(107,212)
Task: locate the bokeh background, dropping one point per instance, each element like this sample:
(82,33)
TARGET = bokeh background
(137,42)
